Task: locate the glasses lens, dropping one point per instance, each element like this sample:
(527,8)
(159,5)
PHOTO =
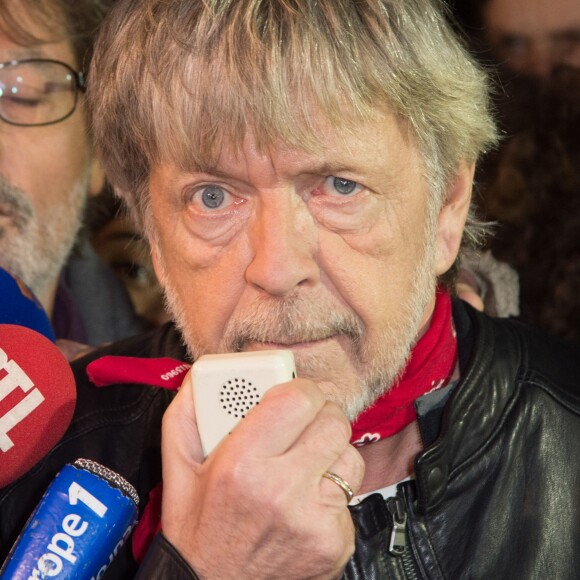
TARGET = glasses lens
(36,92)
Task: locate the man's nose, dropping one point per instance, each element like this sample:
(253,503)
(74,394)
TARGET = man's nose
(284,245)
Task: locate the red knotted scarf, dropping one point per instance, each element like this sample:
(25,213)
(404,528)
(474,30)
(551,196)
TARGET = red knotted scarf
(429,368)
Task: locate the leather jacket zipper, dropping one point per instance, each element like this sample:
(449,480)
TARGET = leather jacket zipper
(398,538)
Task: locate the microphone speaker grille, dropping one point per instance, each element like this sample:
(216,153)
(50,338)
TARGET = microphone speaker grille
(237,396)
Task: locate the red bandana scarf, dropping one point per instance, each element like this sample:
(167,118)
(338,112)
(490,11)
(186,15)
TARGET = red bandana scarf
(429,368)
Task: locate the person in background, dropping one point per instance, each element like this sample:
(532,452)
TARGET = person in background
(529,37)
(117,242)
(531,187)
(529,184)
(48,169)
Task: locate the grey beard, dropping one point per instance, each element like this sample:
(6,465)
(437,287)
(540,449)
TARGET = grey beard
(37,246)
(13,202)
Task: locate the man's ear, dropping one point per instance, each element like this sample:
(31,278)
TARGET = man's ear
(157,261)
(97,181)
(452,217)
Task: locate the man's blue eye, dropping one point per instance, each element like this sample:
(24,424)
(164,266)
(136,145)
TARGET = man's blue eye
(212,196)
(344,186)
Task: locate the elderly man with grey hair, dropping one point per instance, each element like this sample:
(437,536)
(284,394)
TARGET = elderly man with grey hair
(303,172)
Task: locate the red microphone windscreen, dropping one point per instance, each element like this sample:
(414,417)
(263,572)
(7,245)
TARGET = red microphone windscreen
(37,399)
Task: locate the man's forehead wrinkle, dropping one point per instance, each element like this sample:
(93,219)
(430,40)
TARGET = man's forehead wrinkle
(252,156)
(247,164)
(337,150)
(282,162)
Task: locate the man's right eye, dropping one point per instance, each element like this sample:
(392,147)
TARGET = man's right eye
(18,101)
(212,196)
(20,94)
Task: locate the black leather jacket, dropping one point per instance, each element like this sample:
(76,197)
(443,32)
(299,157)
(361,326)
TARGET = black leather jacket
(496,491)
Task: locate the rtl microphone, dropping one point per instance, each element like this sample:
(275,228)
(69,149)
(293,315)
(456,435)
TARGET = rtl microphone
(20,306)
(81,522)
(37,399)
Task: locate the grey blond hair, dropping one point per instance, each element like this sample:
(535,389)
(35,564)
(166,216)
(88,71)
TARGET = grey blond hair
(173,80)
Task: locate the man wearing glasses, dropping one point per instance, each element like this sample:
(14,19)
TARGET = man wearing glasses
(47,169)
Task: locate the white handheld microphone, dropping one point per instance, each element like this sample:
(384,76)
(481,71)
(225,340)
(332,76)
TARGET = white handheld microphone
(227,386)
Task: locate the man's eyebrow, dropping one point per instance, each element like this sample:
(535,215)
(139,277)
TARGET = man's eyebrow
(214,171)
(331,168)
(312,167)
(23,53)
(565,33)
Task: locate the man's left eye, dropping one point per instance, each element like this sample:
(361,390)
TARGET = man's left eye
(213,197)
(344,187)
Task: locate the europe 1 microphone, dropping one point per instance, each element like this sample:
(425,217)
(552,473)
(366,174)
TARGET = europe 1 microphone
(81,522)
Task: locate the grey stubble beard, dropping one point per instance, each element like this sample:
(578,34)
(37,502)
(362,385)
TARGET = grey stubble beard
(35,247)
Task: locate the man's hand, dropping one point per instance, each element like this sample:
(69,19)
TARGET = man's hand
(258,507)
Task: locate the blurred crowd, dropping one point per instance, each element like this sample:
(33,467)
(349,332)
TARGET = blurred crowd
(530,184)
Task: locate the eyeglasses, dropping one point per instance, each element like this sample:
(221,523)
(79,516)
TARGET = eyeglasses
(38,91)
